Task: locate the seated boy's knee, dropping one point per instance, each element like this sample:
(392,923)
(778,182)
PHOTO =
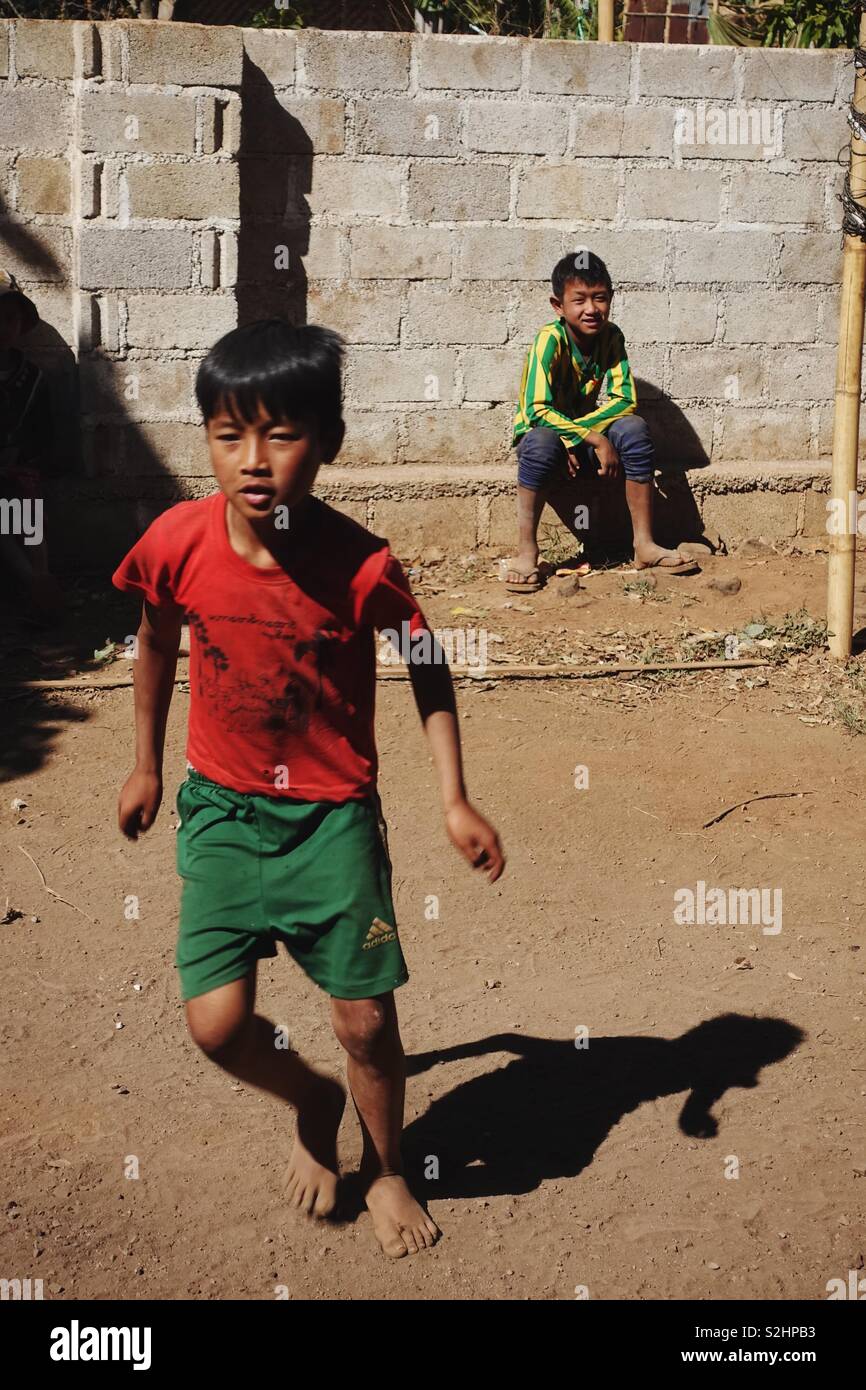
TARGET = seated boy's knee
(362,1025)
(542,445)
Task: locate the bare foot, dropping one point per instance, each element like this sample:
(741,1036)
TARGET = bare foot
(311,1185)
(522,573)
(401,1225)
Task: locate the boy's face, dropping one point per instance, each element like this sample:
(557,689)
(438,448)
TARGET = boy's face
(267,463)
(585,308)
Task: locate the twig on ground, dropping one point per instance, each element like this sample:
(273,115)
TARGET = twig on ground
(51,890)
(766,796)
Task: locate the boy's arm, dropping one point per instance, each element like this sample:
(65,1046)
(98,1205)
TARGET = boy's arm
(468,831)
(158,640)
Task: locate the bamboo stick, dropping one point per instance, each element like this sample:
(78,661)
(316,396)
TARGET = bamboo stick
(605,21)
(846,414)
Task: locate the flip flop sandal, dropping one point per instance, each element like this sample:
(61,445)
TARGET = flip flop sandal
(526,586)
(684,567)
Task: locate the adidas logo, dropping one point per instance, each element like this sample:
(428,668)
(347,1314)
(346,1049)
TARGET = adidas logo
(378,934)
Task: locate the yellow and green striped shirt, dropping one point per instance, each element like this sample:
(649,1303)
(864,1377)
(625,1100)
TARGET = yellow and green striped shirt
(560,387)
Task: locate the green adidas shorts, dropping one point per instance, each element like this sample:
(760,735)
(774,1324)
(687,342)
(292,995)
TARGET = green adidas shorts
(261,869)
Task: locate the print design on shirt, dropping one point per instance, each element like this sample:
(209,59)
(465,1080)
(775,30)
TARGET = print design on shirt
(277,699)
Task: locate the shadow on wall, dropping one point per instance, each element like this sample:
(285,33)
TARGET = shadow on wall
(108,446)
(677,515)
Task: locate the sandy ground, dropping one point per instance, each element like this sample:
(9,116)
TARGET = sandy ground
(560,1168)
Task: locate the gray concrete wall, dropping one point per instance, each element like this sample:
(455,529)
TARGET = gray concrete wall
(156,177)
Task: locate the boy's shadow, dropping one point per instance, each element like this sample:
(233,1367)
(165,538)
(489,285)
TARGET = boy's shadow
(545,1113)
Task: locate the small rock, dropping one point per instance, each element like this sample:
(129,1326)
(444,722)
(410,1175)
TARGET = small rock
(565,587)
(432,555)
(18,804)
(492,984)
(725,586)
(754,548)
(713,1265)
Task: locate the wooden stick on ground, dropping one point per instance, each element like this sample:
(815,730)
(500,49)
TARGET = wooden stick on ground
(515,671)
(766,796)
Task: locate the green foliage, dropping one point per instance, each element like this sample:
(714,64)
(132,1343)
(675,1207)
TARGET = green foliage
(299,13)
(68,9)
(552,19)
(787,23)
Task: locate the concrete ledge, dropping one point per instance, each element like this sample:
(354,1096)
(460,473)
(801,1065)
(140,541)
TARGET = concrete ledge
(423,505)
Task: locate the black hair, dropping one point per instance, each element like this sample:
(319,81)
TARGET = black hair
(293,372)
(583,266)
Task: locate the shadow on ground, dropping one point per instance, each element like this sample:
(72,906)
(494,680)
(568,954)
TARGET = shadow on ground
(546,1112)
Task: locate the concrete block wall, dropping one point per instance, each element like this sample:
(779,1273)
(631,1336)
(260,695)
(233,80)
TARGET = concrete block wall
(161,182)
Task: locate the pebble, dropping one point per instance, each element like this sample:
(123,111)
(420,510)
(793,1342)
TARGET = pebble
(725,586)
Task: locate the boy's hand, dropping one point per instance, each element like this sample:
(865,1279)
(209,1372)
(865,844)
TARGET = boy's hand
(139,802)
(608,458)
(476,839)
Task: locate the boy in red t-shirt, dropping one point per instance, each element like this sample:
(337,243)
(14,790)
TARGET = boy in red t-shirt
(281,836)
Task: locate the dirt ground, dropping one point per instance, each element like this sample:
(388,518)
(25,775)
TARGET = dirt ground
(561,1168)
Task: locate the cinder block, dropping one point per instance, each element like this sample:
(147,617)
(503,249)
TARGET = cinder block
(365,313)
(758,196)
(144,122)
(682,434)
(292,125)
(166,447)
(110,49)
(636,257)
(813,258)
(508,253)
(472,314)
(364,62)
(191,55)
(675,195)
(135,259)
(371,437)
(342,186)
(270,56)
(829,302)
(459,192)
(411,524)
(615,132)
(531,309)
(815,514)
(716,373)
(659,316)
(34,118)
(516,127)
(191,191)
(770,316)
(801,374)
(412,374)
(458,437)
(797,74)
(708,257)
(45,255)
(705,131)
(568,191)
(410,253)
(419,126)
(452,61)
(43,185)
(739,516)
(649,370)
(272,253)
(673,71)
(138,388)
(5,26)
(817,134)
(825,430)
(579,69)
(179,320)
(492,374)
(44,48)
(761,436)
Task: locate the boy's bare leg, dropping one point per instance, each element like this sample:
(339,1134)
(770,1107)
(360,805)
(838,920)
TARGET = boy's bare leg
(530,505)
(367,1029)
(243,1043)
(639,497)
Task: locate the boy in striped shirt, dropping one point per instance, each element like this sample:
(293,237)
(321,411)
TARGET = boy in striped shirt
(560,427)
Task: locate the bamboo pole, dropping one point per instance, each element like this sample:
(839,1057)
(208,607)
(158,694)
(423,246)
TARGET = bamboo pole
(605,21)
(846,414)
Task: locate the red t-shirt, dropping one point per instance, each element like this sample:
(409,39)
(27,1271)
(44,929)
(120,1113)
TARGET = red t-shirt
(282,660)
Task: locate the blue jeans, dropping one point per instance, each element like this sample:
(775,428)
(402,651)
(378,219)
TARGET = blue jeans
(541,453)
